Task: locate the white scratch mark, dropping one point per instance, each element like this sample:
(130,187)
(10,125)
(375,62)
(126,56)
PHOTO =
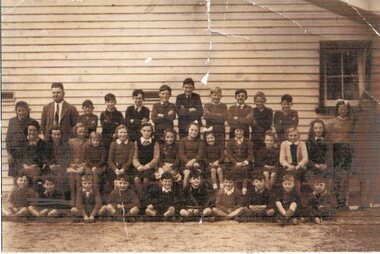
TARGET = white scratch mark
(148,60)
(205,78)
(209,30)
(125,224)
(214,31)
(17,5)
(365,20)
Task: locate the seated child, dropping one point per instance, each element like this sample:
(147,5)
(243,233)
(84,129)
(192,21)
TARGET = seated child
(240,155)
(286,118)
(89,119)
(267,160)
(229,201)
(169,161)
(121,198)
(19,201)
(262,120)
(88,201)
(213,158)
(287,201)
(294,157)
(320,204)
(136,115)
(258,199)
(196,198)
(164,201)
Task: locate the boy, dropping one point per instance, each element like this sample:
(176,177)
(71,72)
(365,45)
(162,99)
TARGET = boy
(109,120)
(136,115)
(88,201)
(262,119)
(320,204)
(215,114)
(165,200)
(189,107)
(240,155)
(196,198)
(287,201)
(286,118)
(229,201)
(163,113)
(89,119)
(258,199)
(18,202)
(122,197)
(240,115)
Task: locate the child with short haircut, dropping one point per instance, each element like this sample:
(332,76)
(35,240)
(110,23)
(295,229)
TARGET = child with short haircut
(215,113)
(18,202)
(120,157)
(294,157)
(164,201)
(17,136)
(110,119)
(88,201)
(229,200)
(320,204)
(89,119)
(163,113)
(189,107)
(267,160)
(136,115)
(196,198)
(122,200)
(240,115)
(340,130)
(146,157)
(240,154)
(262,120)
(190,152)
(95,158)
(213,158)
(169,160)
(286,118)
(76,168)
(287,202)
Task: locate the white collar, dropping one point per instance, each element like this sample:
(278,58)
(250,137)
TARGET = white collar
(229,192)
(165,190)
(290,143)
(342,118)
(239,140)
(138,108)
(321,138)
(145,140)
(240,105)
(120,142)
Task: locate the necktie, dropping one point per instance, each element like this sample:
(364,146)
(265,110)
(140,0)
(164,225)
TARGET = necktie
(56,115)
(293,151)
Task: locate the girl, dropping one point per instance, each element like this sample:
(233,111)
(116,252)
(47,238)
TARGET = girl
(145,159)
(169,160)
(95,158)
(340,131)
(77,148)
(120,157)
(190,152)
(213,158)
(16,136)
(267,159)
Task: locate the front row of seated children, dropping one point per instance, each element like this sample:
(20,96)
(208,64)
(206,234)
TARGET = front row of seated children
(167,200)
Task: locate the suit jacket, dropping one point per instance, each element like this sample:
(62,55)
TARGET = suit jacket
(69,115)
(184,116)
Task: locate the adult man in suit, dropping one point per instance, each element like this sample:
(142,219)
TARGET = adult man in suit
(58,113)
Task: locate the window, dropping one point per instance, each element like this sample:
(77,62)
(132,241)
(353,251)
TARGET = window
(344,70)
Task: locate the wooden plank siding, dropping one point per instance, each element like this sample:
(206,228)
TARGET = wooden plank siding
(99,46)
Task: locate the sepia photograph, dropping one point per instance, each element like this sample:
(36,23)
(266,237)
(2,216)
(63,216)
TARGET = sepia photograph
(190,125)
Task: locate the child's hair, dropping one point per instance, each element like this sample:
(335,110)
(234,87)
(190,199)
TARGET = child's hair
(239,127)
(166,175)
(22,104)
(311,134)
(87,103)
(319,179)
(195,174)
(120,126)
(147,124)
(95,135)
(35,124)
(77,126)
(287,98)
(49,179)
(270,133)
(288,177)
(241,91)
(206,133)
(229,176)
(170,130)
(123,178)
(259,94)
(22,175)
(57,85)
(215,90)
(188,81)
(165,87)
(87,178)
(260,177)
(110,97)
(136,92)
(342,102)
(54,128)
(291,129)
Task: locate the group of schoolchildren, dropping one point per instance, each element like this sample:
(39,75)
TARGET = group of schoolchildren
(138,168)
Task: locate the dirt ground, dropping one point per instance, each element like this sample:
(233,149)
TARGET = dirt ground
(351,231)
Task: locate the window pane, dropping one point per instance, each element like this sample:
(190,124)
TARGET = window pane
(334,88)
(333,63)
(350,63)
(351,88)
